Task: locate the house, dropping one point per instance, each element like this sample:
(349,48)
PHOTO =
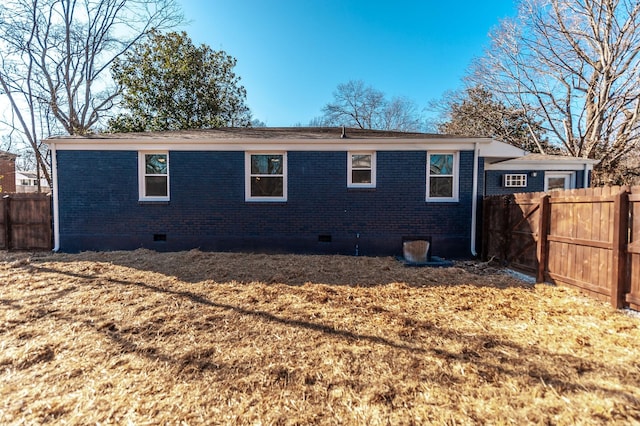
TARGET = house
(536,173)
(7,172)
(303,190)
(27,182)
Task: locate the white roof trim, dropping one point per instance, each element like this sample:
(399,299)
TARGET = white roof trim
(550,164)
(487,146)
(501,150)
(380,144)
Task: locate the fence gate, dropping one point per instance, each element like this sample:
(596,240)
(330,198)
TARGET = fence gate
(633,249)
(512,229)
(583,240)
(25,222)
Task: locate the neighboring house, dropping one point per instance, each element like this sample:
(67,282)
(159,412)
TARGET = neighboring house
(7,172)
(303,190)
(536,173)
(28,182)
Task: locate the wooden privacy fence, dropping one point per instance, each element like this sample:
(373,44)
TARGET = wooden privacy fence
(583,238)
(25,222)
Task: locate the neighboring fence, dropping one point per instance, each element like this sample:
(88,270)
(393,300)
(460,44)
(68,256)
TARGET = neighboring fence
(25,222)
(584,238)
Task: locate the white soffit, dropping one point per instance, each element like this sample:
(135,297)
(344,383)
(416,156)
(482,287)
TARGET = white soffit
(259,144)
(497,149)
(546,164)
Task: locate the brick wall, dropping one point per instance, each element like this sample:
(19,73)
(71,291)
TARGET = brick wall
(494,179)
(7,173)
(208,209)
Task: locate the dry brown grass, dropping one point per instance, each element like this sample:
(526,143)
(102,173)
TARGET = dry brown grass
(214,338)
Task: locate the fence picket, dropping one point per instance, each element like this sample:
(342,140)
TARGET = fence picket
(587,238)
(26,222)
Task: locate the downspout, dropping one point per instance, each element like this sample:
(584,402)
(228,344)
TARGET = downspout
(474,200)
(585,178)
(56,215)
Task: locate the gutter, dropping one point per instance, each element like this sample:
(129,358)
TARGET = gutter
(474,199)
(56,215)
(585,177)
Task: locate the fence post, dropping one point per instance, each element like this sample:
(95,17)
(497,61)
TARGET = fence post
(543,230)
(7,225)
(506,227)
(619,257)
(486,212)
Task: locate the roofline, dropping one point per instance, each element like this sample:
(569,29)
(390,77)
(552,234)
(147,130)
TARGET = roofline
(284,139)
(8,154)
(253,144)
(268,144)
(550,164)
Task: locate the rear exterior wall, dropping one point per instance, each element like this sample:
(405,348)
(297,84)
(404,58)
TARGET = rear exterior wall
(494,181)
(207,210)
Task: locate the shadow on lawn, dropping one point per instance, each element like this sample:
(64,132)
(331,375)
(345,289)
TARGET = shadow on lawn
(493,357)
(196,266)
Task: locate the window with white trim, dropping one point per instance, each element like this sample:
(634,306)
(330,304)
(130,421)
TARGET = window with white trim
(361,169)
(559,180)
(515,180)
(153,176)
(266,176)
(442,176)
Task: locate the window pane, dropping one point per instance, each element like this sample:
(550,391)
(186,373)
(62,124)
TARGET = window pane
(361,176)
(556,183)
(155,186)
(361,161)
(441,187)
(441,164)
(266,164)
(266,187)
(155,164)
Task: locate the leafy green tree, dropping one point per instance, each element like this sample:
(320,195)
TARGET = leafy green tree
(475,112)
(170,84)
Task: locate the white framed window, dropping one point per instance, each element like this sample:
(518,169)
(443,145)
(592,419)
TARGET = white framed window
(559,180)
(515,180)
(265,176)
(442,176)
(153,176)
(361,169)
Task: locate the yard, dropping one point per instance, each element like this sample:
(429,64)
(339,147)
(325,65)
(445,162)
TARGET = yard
(226,338)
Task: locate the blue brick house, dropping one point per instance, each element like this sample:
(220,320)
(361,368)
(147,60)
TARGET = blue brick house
(537,173)
(302,190)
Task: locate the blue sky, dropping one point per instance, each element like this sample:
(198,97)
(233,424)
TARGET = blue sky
(293,54)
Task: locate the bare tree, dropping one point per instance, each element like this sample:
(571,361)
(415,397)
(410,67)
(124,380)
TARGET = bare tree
(354,104)
(357,105)
(401,113)
(573,64)
(56,56)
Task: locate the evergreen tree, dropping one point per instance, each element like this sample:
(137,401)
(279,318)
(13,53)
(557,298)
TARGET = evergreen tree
(170,84)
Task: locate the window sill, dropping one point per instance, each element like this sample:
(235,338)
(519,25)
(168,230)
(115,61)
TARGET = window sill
(153,203)
(440,201)
(262,202)
(361,189)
